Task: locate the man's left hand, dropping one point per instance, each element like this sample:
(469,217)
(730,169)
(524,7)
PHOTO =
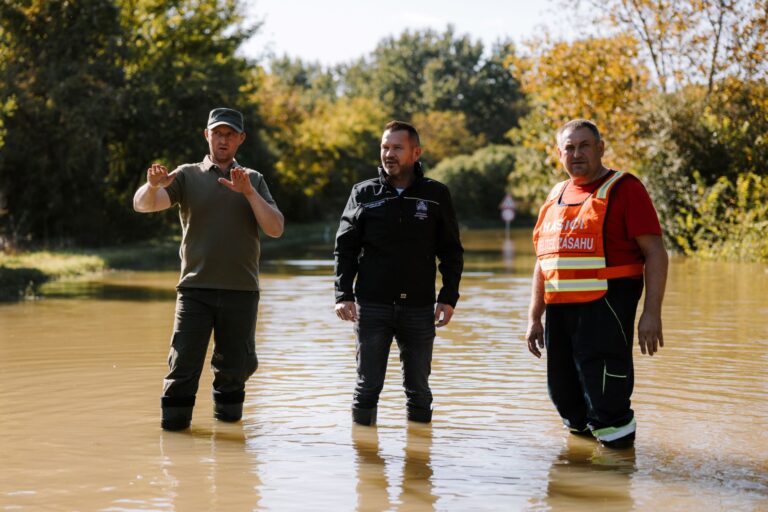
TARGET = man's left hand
(240,181)
(649,333)
(443,314)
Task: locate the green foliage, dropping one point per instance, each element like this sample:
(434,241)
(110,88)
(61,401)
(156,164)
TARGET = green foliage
(705,168)
(100,89)
(21,275)
(92,92)
(536,165)
(179,63)
(60,68)
(334,147)
(445,134)
(597,78)
(425,71)
(477,182)
(727,220)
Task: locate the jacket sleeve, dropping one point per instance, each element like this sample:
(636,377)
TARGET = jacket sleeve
(450,253)
(347,251)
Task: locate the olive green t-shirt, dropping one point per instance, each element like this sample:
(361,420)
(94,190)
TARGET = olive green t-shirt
(220,236)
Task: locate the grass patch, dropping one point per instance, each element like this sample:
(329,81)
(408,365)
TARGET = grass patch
(22,274)
(55,265)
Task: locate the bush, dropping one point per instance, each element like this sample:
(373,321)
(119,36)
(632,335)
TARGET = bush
(17,283)
(478,181)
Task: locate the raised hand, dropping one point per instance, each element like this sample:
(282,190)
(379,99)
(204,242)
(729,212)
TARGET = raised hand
(239,182)
(158,176)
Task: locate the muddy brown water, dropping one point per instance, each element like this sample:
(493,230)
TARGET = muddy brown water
(81,372)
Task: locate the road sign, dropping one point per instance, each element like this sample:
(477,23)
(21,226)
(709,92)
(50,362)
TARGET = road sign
(507,207)
(507,203)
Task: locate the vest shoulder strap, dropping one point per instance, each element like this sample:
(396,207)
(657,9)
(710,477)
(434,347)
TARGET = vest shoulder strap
(556,190)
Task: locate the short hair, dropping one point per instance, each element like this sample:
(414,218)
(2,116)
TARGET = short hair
(396,126)
(575,124)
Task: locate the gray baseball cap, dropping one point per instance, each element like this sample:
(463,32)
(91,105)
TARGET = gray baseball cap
(232,118)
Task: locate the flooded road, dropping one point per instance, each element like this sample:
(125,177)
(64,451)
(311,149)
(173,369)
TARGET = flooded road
(81,373)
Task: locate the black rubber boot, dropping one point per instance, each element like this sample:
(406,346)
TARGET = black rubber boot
(228,412)
(364,416)
(419,415)
(228,406)
(176,418)
(177,412)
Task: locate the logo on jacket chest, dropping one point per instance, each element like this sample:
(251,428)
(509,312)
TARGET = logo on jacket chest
(421,210)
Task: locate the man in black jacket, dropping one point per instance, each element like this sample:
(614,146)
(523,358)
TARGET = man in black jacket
(391,230)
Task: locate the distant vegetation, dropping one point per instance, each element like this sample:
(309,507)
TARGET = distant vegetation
(92,92)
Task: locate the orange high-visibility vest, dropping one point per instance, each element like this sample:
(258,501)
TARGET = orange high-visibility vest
(570,247)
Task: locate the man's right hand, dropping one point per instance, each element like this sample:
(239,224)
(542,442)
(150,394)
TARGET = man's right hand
(157,176)
(534,335)
(346,310)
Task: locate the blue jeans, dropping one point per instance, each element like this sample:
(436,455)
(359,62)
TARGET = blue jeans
(413,327)
(231,316)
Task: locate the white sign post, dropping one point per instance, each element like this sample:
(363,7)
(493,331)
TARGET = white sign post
(507,207)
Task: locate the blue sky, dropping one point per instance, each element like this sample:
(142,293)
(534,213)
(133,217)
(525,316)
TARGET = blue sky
(336,31)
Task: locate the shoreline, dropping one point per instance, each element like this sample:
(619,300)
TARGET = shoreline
(23,274)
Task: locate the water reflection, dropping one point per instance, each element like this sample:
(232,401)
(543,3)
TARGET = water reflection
(209,469)
(379,486)
(372,484)
(586,476)
(81,372)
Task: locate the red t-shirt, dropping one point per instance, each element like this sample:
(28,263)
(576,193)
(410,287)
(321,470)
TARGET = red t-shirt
(630,214)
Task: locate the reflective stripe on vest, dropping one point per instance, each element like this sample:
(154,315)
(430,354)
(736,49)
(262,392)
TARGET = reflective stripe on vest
(569,246)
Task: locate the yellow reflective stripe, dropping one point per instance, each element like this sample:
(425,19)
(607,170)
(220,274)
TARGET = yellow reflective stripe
(612,433)
(575,285)
(571,263)
(556,190)
(602,193)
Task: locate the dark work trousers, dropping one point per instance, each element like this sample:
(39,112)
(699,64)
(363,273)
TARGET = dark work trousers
(231,316)
(413,327)
(589,357)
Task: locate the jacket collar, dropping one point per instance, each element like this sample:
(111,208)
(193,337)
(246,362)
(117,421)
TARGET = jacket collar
(418,174)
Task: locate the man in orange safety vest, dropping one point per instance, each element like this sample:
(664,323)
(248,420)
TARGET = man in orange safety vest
(598,242)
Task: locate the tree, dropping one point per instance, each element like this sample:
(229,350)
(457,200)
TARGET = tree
(179,64)
(424,71)
(694,41)
(477,182)
(444,134)
(60,79)
(698,161)
(601,79)
(325,153)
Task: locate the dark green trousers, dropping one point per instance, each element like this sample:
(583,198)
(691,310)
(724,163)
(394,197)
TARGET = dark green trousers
(231,317)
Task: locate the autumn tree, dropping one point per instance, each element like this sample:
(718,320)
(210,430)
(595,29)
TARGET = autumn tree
(693,41)
(601,79)
(444,134)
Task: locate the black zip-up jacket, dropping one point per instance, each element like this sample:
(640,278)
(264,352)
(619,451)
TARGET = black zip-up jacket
(390,242)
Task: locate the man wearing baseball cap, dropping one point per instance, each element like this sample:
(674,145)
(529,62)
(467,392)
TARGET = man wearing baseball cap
(221,208)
